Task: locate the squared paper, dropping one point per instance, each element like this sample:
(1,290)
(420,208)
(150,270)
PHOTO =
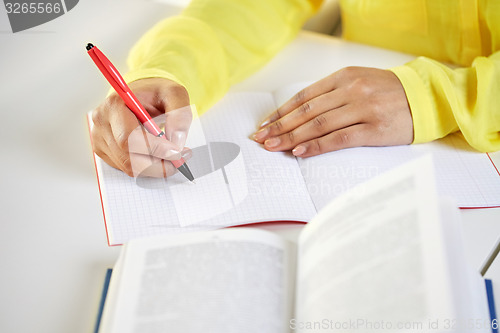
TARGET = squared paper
(258,185)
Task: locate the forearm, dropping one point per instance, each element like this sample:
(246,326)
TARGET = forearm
(443,100)
(216,43)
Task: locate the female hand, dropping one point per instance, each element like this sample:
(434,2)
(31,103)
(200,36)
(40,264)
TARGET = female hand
(121,141)
(356,106)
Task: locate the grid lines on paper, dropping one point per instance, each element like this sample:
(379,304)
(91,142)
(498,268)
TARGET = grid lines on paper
(275,189)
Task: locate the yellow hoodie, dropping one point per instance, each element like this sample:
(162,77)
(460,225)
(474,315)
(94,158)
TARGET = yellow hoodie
(213,44)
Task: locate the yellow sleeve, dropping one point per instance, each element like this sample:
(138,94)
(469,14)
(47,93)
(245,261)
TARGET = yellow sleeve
(443,100)
(215,43)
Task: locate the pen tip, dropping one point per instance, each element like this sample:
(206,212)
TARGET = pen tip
(89,46)
(193,182)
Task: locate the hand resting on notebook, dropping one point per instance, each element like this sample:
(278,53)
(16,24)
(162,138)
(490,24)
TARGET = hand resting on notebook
(120,140)
(355,106)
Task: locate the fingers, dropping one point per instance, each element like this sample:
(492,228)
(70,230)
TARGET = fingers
(349,137)
(142,142)
(122,142)
(355,106)
(316,89)
(105,144)
(320,125)
(146,155)
(139,165)
(304,113)
(149,166)
(177,125)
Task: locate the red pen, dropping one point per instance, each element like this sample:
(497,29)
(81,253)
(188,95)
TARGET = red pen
(115,79)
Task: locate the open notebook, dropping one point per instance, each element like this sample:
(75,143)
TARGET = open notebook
(238,182)
(387,256)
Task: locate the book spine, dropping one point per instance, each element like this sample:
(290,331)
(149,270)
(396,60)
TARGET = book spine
(103,299)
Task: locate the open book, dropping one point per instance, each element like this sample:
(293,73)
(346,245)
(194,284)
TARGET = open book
(384,256)
(238,182)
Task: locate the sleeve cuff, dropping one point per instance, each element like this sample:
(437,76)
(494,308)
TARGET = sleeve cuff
(419,102)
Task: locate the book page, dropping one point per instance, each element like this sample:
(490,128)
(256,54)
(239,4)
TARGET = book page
(466,175)
(237,181)
(231,280)
(374,259)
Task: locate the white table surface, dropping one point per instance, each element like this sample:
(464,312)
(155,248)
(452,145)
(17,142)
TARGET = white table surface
(53,250)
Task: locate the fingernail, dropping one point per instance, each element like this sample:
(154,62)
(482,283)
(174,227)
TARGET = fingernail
(173,154)
(261,135)
(266,122)
(272,142)
(299,150)
(178,138)
(187,153)
(273,117)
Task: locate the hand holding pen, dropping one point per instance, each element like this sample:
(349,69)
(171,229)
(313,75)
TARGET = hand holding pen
(120,142)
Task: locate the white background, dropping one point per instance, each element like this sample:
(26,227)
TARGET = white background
(53,250)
